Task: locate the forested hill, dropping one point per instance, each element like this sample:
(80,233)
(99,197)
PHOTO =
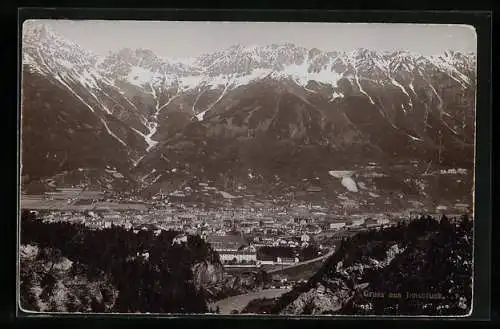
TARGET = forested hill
(152,273)
(420,268)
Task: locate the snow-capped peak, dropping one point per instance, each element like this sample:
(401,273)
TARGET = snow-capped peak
(144,68)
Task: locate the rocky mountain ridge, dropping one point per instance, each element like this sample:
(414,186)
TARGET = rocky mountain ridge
(240,110)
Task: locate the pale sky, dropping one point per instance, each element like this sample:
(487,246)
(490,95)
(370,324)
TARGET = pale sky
(190,39)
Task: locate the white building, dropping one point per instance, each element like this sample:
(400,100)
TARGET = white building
(441,208)
(179,239)
(286,260)
(238,256)
(337,225)
(265,262)
(383,221)
(462,207)
(357,222)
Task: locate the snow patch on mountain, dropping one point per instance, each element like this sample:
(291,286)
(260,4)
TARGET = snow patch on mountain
(415,138)
(140,77)
(302,75)
(111,133)
(336,95)
(356,77)
(136,162)
(346,180)
(68,65)
(147,137)
(341,173)
(400,86)
(191,82)
(58,78)
(349,184)
(412,88)
(201,115)
(256,74)
(446,63)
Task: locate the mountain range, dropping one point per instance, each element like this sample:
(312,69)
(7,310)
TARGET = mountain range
(251,115)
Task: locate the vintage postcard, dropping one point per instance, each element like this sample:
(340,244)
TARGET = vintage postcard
(176,167)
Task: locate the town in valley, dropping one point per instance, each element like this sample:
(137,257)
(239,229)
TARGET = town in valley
(248,233)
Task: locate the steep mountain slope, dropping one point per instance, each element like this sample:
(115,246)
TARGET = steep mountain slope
(71,118)
(59,133)
(350,108)
(261,111)
(275,127)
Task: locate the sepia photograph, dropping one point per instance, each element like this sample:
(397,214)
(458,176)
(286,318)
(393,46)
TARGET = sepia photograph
(246,168)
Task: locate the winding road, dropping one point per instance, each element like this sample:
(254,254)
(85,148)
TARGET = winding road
(239,302)
(310,261)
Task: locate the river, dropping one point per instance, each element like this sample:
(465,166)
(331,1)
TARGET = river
(239,302)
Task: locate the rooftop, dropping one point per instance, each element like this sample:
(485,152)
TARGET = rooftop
(228,240)
(239,252)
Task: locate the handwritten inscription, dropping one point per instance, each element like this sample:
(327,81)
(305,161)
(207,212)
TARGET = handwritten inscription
(406,295)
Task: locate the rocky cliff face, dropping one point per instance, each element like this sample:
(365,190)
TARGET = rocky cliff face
(143,267)
(207,274)
(332,292)
(53,283)
(423,268)
(321,299)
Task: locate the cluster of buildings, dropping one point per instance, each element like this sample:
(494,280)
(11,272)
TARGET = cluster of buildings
(453,171)
(235,250)
(260,224)
(273,228)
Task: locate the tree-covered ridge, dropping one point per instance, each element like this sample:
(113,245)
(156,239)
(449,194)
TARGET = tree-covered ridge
(152,272)
(432,277)
(428,262)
